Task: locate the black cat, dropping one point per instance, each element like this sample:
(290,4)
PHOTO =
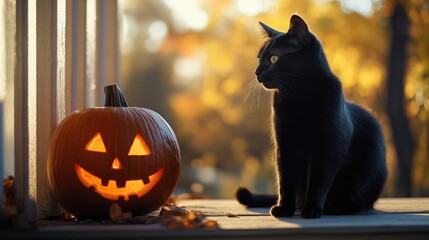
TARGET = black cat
(329,153)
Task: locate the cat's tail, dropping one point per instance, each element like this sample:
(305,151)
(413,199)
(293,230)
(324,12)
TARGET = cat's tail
(249,199)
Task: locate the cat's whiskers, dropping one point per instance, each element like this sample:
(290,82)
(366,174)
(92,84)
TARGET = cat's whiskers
(267,95)
(259,94)
(255,88)
(259,89)
(252,85)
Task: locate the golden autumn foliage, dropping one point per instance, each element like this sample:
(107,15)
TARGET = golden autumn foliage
(193,62)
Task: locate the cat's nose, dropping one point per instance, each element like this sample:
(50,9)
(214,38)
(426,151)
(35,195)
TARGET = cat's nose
(258,72)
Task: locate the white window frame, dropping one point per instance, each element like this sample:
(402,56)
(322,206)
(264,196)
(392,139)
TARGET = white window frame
(64,53)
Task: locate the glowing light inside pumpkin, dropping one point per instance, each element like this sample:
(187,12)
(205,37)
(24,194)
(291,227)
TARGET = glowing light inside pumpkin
(111,191)
(96,144)
(117,165)
(139,147)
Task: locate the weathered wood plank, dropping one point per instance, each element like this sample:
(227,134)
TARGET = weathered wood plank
(403,205)
(388,214)
(392,219)
(384,205)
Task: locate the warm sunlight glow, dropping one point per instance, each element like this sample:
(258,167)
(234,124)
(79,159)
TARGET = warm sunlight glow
(252,7)
(96,144)
(139,147)
(157,32)
(187,15)
(363,7)
(116,165)
(32,101)
(189,68)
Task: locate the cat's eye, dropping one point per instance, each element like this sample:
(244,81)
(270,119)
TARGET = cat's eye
(273,59)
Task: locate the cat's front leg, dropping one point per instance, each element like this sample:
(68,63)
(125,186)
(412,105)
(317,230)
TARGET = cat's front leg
(323,172)
(283,208)
(287,182)
(312,211)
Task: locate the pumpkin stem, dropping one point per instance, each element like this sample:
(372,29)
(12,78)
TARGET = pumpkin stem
(114,97)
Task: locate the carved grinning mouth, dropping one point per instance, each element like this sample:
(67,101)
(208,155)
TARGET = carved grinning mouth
(111,191)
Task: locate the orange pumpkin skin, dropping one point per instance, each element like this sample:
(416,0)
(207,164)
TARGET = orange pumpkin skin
(87,179)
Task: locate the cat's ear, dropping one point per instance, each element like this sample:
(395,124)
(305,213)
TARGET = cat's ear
(299,29)
(268,31)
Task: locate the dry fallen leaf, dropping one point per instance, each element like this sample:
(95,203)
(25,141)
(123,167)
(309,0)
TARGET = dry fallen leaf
(189,221)
(9,207)
(116,214)
(170,210)
(69,216)
(115,211)
(231,215)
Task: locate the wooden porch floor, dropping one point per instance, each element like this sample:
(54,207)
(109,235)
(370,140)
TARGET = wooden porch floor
(393,219)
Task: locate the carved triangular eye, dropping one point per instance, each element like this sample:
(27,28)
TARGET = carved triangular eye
(139,147)
(96,144)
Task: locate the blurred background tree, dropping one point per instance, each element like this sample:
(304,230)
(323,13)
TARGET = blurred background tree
(193,62)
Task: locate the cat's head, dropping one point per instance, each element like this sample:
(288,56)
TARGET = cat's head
(286,55)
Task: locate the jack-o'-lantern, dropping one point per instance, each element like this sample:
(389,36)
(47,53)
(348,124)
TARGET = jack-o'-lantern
(113,154)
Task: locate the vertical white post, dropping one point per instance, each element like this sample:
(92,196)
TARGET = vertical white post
(109,63)
(91,75)
(78,47)
(59,46)
(21,108)
(48,94)
(62,78)
(67,5)
(31,114)
(102,49)
(42,89)
(7,59)
(2,88)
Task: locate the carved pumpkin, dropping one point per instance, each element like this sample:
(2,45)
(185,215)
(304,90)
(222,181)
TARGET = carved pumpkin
(113,154)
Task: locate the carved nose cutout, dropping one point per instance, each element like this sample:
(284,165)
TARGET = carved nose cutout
(116,165)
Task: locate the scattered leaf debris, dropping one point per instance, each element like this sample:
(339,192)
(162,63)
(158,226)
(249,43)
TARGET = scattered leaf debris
(171,210)
(116,214)
(69,216)
(189,221)
(231,215)
(169,216)
(9,208)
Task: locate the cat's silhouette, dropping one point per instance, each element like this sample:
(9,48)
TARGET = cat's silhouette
(329,153)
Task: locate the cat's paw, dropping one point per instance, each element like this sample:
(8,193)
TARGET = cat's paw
(282,211)
(311,212)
